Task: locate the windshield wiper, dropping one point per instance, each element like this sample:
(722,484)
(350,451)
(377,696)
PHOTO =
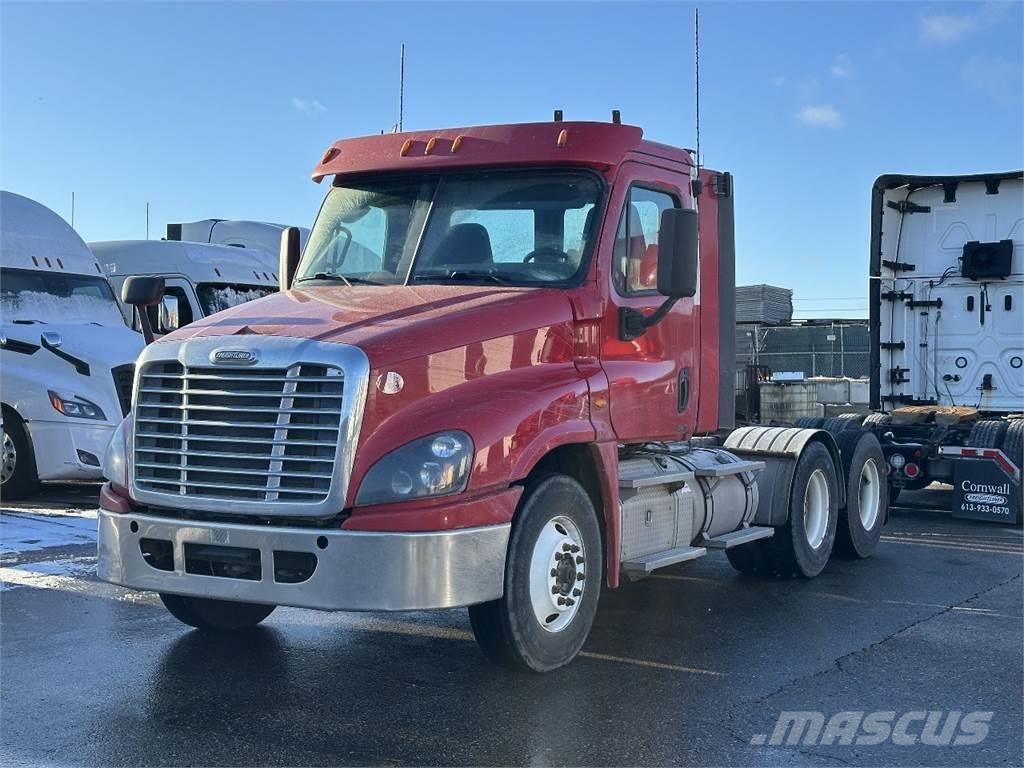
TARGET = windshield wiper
(348,280)
(465,274)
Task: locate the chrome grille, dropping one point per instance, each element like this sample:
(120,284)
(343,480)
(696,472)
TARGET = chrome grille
(257,435)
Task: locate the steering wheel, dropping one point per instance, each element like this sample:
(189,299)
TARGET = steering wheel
(548,254)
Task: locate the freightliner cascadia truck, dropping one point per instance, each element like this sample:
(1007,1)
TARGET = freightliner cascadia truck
(947,338)
(500,376)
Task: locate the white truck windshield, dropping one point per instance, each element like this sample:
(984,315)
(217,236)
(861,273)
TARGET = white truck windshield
(515,228)
(53,297)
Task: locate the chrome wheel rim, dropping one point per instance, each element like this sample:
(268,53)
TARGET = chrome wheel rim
(10,458)
(816,502)
(557,578)
(869,494)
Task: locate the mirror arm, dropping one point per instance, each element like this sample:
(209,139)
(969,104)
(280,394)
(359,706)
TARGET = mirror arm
(633,323)
(147,327)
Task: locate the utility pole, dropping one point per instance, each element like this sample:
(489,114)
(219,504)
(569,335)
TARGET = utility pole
(72,209)
(147,219)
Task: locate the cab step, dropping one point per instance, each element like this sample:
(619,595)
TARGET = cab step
(735,538)
(641,566)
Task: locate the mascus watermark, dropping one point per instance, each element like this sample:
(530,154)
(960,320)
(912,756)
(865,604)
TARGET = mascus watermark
(935,728)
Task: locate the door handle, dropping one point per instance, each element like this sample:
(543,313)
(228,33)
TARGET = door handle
(684,389)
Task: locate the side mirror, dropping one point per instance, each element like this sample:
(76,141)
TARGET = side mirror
(169,314)
(141,292)
(677,253)
(289,259)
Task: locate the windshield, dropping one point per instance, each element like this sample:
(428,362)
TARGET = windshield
(215,297)
(515,228)
(55,297)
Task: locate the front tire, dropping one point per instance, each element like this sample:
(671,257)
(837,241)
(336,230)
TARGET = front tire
(215,615)
(553,576)
(18,473)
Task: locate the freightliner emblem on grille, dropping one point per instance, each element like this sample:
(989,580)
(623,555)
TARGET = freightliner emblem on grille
(234,356)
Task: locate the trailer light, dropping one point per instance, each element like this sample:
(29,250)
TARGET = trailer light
(911,470)
(76,408)
(917,454)
(431,466)
(897,460)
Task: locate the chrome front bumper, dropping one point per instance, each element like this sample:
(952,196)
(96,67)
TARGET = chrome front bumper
(355,571)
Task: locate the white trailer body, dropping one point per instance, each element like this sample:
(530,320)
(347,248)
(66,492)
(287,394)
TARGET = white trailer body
(264,235)
(947,269)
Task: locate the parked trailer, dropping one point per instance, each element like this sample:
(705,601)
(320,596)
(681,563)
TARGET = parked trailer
(503,404)
(947,338)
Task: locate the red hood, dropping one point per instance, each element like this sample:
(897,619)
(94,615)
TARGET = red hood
(390,323)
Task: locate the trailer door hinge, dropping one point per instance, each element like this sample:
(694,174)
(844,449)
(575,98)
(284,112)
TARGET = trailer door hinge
(893,345)
(898,266)
(906,206)
(925,303)
(898,375)
(896,296)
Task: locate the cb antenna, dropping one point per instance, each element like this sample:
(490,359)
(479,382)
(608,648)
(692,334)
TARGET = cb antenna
(401,88)
(696,71)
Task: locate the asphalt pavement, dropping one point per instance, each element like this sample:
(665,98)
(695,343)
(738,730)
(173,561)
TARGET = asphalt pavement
(693,666)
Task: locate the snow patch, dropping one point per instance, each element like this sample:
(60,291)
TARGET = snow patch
(34,305)
(25,532)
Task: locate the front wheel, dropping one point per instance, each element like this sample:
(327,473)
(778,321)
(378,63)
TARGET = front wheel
(17,471)
(215,615)
(553,576)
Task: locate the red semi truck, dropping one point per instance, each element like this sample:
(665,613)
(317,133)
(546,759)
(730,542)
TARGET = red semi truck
(499,376)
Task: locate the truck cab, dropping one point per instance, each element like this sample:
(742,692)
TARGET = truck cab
(67,355)
(200,279)
(499,376)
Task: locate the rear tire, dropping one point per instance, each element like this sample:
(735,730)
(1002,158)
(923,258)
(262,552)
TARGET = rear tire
(876,420)
(803,545)
(987,433)
(1013,442)
(867,494)
(18,478)
(751,559)
(809,422)
(838,424)
(215,615)
(530,626)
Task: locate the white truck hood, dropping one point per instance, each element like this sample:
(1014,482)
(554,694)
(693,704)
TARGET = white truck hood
(101,346)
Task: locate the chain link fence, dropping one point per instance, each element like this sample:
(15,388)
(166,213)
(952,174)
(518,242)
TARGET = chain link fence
(840,348)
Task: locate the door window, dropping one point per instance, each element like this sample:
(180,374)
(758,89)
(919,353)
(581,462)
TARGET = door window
(636,241)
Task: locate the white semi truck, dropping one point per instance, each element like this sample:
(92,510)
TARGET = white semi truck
(200,278)
(947,337)
(66,355)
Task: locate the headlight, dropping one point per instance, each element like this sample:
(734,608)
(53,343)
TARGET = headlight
(115,462)
(76,407)
(431,466)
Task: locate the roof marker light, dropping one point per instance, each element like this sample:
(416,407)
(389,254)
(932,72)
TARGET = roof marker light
(563,137)
(60,263)
(430,145)
(47,260)
(405,148)
(35,261)
(329,154)
(217,271)
(457,143)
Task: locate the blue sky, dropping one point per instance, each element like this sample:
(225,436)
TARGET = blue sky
(221,110)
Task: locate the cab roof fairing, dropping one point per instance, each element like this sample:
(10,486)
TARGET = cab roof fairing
(589,144)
